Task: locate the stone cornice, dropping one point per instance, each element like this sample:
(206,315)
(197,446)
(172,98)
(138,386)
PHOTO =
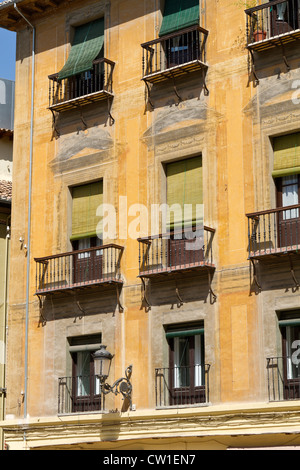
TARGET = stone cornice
(214,421)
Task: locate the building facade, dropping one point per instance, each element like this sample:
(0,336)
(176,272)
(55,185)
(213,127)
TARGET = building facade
(123,110)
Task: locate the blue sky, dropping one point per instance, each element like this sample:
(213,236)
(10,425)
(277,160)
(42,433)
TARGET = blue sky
(7,53)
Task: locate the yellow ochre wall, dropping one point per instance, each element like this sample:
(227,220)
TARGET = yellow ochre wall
(225,129)
(228,170)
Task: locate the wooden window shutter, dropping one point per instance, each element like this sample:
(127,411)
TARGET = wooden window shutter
(86,199)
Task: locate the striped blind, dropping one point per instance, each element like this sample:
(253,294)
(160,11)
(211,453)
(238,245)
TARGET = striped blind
(184,186)
(179,14)
(87,44)
(86,200)
(286,155)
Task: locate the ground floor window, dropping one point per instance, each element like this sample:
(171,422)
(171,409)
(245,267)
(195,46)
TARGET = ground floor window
(86,394)
(289,323)
(187,373)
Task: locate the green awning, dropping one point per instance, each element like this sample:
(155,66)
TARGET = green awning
(286,155)
(179,14)
(87,44)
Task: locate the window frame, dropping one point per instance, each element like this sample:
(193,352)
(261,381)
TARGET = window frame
(93,400)
(191,392)
(291,384)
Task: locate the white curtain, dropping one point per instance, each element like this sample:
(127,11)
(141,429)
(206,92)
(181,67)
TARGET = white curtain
(290,196)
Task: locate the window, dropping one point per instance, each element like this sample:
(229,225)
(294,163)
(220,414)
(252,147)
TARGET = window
(86,234)
(289,323)
(87,46)
(289,195)
(183,47)
(185,192)
(287,180)
(187,366)
(86,199)
(284,17)
(179,14)
(83,71)
(185,202)
(86,394)
(286,155)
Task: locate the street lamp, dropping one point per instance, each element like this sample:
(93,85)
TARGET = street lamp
(102,362)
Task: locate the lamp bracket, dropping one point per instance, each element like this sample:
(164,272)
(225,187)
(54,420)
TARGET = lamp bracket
(122,386)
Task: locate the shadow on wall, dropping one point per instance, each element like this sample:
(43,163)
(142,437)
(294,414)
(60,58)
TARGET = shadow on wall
(77,305)
(177,290)
(282,274)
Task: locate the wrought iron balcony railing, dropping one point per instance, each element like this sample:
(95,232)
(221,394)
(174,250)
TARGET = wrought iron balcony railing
(80,268)
(274,232)
(182,386)
(272,19)
(175,251)
(173,54)
(283,378)
(79,394)
(83,88)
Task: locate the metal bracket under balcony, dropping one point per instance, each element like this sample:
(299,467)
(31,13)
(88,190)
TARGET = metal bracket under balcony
(173,56)
(78,270)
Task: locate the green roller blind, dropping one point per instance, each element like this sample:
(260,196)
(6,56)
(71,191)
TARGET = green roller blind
(284,323)
(87,44)
(185,186)
(86,200)
(179,14)
(184,333)
(286,155)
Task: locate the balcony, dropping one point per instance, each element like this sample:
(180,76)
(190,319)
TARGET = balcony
(283,378)
(175,252)
(82,89)
(271,24)
(79,269)
(273,233)
(182,386)
(174,55)
(79,394)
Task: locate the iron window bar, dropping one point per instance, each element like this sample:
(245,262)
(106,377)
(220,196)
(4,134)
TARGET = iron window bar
(181,386)
(280,386)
